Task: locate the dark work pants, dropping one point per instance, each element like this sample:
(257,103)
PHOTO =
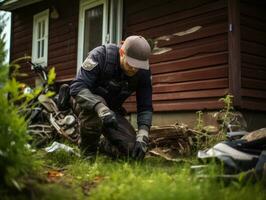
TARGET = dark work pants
(115,143)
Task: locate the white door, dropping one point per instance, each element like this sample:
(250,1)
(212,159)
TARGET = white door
(96,26)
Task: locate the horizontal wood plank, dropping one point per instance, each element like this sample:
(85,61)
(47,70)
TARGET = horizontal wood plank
(253,93)
(252,22)
(253,48)
(60,45)
(165,8)
(180,105)
(54,54)
(253,35)
(252,59)
(210,47)
(62,38)
(67,65)
(253,74)
(253,83)
(253,104)
(186,95)
(192,75)
(252,9)
(190,63)
(175,27)
(191,85)
(64,77)
(63,58)
(177,16)
(204,35)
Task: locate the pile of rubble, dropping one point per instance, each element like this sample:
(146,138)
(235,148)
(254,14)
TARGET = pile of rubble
(178,140)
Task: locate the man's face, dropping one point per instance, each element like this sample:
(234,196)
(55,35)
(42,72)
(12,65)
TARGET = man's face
(128,70)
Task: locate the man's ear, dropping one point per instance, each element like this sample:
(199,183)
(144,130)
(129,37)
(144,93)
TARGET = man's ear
(121,52)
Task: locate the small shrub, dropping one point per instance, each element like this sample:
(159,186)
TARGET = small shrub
(203,139)
(200,123)
(226,113)
(15,157)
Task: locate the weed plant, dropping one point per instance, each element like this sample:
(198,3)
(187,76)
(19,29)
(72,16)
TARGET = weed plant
(204,140)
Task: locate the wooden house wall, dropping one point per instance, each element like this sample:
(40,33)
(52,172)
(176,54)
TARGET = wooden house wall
(253,54)
(21,41)
(194,75)
(62,41)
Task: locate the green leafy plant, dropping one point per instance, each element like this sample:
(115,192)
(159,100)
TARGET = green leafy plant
(226,113)
(199,121)
(203,139)
(15,156)
(51,76)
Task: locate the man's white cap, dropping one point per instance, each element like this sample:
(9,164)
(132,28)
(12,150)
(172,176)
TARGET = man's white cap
(137,51)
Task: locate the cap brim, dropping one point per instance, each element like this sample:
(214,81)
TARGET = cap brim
(140,64)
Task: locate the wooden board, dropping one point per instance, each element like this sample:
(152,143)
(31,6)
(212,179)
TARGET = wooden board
(253,83)
(190,86)
(186,95)
(181,105)
(192,75)
(190,63)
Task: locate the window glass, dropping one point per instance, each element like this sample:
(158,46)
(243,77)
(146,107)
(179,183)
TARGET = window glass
(40,37)
(93,29)
(114,21)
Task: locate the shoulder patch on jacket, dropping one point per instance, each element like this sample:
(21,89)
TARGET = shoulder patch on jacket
(89,64)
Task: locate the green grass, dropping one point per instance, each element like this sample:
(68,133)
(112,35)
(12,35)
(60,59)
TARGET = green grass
(152,179)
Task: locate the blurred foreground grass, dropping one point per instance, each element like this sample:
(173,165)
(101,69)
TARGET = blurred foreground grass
(68,177)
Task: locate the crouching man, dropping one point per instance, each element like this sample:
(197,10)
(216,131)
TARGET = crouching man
(107,77)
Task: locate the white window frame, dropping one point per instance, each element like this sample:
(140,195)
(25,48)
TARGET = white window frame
(44,15)
(119,22)
(106,34)
(84,5)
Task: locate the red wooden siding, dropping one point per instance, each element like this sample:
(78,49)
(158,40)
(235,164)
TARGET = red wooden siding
(201,67)
(253,54)
(62,42)
(21,40)
(194,74)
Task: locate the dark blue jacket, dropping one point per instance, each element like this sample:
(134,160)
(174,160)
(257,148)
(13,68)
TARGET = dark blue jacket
(105,78)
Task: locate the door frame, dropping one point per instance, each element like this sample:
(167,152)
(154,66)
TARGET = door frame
(84,5)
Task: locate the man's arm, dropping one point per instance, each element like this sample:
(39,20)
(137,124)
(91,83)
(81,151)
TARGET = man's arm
(144,115)
(144,101)
(86,80)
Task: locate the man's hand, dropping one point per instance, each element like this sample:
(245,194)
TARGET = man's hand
(106,115)
(141,145)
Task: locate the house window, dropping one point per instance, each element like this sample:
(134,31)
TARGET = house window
(40,37)
(93,21)
(100,22)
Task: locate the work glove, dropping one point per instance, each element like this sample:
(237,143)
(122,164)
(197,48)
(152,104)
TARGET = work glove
(141,145)
(106,115)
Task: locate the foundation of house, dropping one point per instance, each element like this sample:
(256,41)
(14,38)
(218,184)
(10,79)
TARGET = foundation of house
(254,119)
